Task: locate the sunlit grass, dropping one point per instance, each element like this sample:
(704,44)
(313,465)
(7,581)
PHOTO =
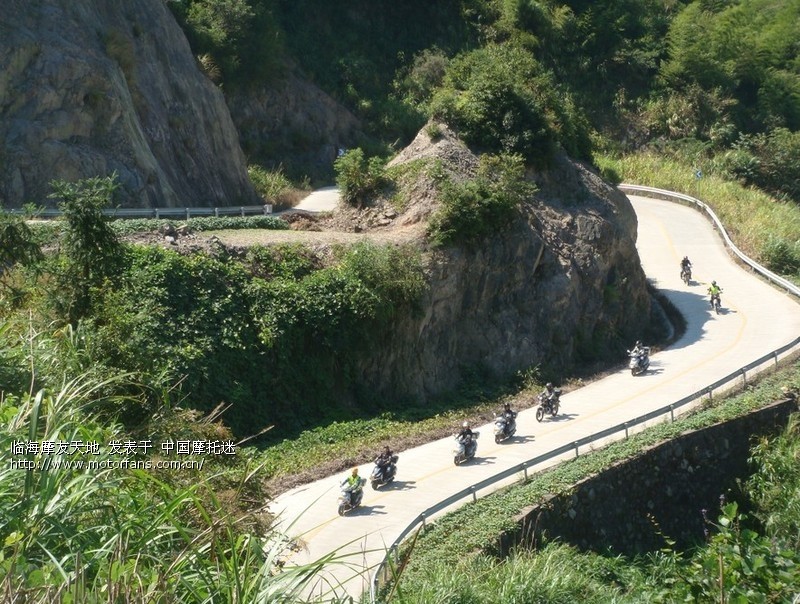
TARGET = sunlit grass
(84,535)
(758,224)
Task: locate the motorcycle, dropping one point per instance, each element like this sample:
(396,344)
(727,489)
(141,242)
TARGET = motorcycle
(384,474)
(351,495)
(504,427)
(466,448)
(686,275)
(716,303)
(548,404)
(640,361)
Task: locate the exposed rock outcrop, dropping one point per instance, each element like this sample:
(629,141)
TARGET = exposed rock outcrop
(88,88)
(562,284)
(295,121)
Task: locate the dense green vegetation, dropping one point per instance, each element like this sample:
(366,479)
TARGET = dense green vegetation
(472,210)
(527,76)
(236,331)
(101,340)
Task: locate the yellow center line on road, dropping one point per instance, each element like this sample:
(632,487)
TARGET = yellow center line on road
(382,494)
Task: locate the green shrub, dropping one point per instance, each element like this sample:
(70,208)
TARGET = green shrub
(91,248)
(782,256)
(359,178)
(273,186)
(17,245)
(480,207)
(490,99)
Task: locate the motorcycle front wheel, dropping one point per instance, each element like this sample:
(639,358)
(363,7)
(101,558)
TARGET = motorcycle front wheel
(498,438)
(539,414)
(555,409)
(342,509)
(375,485)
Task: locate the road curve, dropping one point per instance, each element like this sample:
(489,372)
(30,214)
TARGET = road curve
(756,320)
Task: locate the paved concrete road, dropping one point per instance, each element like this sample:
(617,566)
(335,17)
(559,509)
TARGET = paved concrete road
(321,200)
(756,320)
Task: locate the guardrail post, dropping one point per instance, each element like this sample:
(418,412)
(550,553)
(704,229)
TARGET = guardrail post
(744,376)
(241,209)
(157,214)
(775,355)
(575,444)
(216,212)
(525,469)
(474,495)
(188,213)
(672,413)
(710,394)
(424,527)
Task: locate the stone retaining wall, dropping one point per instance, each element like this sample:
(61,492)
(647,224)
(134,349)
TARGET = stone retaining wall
(631,506)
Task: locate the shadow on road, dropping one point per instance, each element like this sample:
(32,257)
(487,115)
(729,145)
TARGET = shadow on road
(367,510)
(561,417)
(399,485)
(692,305)
(479,461)
(519,439)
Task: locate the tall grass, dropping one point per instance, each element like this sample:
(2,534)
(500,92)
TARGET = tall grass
(75,534)
(760,225)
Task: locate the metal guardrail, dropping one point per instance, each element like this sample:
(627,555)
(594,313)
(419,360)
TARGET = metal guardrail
(182,213)
(575,446)
(687,199)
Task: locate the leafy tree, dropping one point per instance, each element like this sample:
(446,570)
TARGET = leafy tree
(745,49)
(501,100)
(92,249)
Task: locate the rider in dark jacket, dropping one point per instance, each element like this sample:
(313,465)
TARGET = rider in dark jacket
(686,265)
(510,416)
(384,458)
(465,430)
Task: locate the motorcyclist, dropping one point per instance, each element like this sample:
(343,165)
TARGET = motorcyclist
(509,415)
(714,291)
(549,392)
(384,458)
(384,461)
(548,395)
(466,437)
(353,481)
(686,265)
(351,486)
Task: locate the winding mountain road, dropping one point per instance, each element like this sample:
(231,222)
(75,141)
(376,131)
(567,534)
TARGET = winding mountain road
(756,319)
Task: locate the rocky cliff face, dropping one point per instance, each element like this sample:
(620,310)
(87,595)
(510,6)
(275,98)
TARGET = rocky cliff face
(89,87)
(563,284)
(296,122)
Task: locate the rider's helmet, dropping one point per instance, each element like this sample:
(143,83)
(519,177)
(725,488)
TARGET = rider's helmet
(465,425)
(714,283)
(549,385)
(507,406)
(686,258)
(638,343)
(355,472)
(386,450)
